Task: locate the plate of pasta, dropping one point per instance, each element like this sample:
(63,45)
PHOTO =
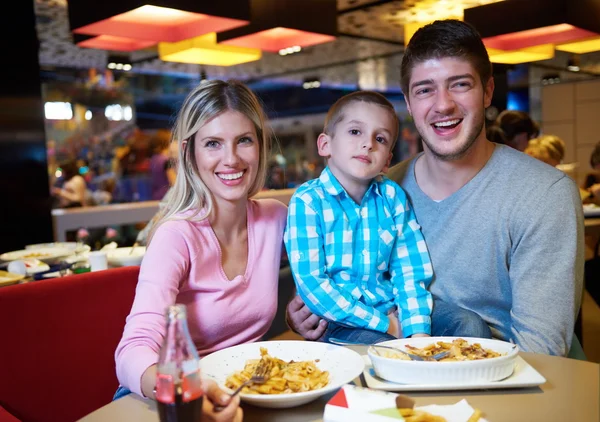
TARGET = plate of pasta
(298,371)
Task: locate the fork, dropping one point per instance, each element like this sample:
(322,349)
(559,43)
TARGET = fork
(258,377)
(412,356)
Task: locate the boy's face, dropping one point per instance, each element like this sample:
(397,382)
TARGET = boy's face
(360,147)
(447,102)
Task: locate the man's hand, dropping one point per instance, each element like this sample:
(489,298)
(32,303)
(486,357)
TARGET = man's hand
(214,395)
(302,321)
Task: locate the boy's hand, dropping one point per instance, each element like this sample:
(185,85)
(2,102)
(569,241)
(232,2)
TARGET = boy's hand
(394,328)
(302,321)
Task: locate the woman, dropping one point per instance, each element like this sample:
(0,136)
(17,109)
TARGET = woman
(73,190)
(212,249)
(162,172)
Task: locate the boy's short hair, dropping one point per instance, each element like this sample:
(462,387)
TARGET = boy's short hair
(336,112)
(443,39)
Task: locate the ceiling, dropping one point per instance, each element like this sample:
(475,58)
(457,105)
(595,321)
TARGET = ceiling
(367,53)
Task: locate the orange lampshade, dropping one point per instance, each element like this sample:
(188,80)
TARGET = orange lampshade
(280,24)
(153,22)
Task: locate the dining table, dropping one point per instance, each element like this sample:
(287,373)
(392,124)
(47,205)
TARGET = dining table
(571,393)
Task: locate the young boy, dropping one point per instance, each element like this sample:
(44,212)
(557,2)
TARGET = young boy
(356,251)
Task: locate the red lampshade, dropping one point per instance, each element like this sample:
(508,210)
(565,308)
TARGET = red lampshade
(555,34)
(276,39)
(517,24)
(109,42)
(279,24)
(152,21)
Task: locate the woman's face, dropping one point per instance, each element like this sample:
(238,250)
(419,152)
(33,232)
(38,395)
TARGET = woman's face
(227,153)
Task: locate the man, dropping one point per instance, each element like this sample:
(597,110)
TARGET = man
(504,231)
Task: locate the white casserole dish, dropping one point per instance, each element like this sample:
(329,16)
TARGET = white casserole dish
(427,372)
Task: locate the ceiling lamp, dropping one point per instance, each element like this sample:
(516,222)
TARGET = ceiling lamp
(205,50)
(183,19)
(109,42)
(280,24)
(581,47)
(519,24)
(523,55)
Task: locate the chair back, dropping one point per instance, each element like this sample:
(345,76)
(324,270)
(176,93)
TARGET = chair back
(58,342)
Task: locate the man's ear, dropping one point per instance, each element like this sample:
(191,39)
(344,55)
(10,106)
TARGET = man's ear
(324,145)
(488,92)
(407,104)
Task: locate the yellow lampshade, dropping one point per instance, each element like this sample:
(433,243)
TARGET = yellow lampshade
(523,55)
(581,47)
(205,50)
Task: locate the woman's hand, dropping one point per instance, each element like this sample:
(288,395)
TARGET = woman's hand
(302,321)
(214,395)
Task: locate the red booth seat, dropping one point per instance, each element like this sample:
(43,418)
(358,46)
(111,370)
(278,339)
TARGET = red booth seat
(58,342)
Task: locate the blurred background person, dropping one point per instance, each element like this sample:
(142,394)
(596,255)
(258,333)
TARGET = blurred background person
(548,148)
(591,185)
(73,190)
(495,134)
(518,128)
(162,171)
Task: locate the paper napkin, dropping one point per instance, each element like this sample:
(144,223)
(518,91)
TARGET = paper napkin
(358,404)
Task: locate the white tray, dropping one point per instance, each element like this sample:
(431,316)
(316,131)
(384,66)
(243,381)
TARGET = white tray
(524,375)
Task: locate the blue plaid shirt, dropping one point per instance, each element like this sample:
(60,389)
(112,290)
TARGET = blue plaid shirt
(352,263)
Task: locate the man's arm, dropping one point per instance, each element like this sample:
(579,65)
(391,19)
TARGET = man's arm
(305,245)
(410,268)
(546,270)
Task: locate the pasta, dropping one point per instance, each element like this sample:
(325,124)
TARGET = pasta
(460,350)
(283,377)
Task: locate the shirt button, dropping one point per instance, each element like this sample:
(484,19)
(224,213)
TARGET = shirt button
(365,252)
(363,212)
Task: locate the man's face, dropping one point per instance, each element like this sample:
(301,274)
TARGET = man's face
(447,102)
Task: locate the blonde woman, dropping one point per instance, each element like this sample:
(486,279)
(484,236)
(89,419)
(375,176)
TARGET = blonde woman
(213,248)
(548,148)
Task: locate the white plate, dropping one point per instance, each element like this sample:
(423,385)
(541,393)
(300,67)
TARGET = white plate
(73,246)
(524,375)
(449,372)
(343,364)
(6,278)
(47,255)
(122,257)
(591,210)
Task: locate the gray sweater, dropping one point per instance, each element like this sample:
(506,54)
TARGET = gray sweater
(509,246)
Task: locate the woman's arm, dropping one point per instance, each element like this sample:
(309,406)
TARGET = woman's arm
(163,268)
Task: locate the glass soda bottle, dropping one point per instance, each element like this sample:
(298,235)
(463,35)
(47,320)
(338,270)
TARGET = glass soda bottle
(179,391)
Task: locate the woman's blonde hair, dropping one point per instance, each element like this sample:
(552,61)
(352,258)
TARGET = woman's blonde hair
(208,100)
(548,148)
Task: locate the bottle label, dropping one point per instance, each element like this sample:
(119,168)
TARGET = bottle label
(191,380)
(165,388)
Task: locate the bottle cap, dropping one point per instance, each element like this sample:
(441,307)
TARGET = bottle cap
(177,311)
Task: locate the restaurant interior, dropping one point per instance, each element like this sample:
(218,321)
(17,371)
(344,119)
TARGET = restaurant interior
(88,95)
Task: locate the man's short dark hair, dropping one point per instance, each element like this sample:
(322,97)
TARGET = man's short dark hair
(442,39)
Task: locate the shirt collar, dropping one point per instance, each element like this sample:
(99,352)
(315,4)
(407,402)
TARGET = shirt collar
(333,186)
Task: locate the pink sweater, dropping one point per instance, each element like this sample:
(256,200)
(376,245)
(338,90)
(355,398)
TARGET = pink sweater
(183,265)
